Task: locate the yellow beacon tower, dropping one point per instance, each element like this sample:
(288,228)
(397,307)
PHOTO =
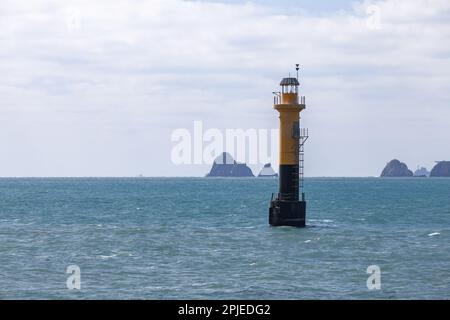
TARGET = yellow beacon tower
(288,208)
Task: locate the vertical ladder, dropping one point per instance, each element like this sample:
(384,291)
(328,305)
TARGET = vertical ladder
(300,134)
(304,135)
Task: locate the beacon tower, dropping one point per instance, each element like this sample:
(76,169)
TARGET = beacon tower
(288,208)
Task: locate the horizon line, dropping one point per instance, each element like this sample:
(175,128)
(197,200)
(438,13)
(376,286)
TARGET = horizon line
(169,177)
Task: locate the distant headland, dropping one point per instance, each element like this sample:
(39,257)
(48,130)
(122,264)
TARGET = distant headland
(396,168)
(441,169)
(267,172)
(225,166)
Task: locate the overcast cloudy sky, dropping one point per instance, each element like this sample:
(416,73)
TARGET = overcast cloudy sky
(96,88)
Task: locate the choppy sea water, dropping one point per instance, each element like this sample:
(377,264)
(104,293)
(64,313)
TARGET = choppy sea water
(191,238)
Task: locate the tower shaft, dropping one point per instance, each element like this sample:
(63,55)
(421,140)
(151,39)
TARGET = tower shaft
(286,209)
(289,150)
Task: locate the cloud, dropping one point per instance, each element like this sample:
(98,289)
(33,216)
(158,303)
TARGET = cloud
(93,88)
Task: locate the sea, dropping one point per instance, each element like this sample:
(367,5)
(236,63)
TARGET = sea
(209,238)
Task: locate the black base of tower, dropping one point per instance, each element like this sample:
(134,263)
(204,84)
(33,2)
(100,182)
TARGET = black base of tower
(287,213)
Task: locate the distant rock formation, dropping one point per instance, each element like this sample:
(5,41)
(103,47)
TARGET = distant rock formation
(267,172)
(421,172)
(225,166)
(441,169)
(396,168)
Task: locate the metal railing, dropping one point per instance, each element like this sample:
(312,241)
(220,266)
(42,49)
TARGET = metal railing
(300,100)
(276,99)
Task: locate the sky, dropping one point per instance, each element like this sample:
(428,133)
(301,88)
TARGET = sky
(98,88)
